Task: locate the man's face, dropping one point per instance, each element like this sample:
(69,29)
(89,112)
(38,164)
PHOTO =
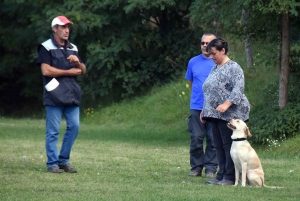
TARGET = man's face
(204,42)
(62,31)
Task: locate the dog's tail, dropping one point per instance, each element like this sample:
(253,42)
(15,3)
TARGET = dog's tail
(271,186)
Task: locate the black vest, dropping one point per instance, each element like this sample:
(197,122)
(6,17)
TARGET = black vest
(68,91)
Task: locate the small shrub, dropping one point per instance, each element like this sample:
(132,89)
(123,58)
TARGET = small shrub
(269,125)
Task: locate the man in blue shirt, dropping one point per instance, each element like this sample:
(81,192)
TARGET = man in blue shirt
(198,69)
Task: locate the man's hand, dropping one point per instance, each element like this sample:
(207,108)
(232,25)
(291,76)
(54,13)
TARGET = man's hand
(74,59)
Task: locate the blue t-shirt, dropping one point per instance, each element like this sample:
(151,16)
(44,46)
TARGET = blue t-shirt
(198,69)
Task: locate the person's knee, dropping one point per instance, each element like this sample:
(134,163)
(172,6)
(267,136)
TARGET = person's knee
(52,125)
(73,125)
(196,143)
(196,147)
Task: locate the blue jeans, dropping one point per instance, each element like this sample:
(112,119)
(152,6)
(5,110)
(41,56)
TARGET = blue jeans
(199,158)
(53,120)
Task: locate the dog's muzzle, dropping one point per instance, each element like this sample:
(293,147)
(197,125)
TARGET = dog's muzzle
(229,125)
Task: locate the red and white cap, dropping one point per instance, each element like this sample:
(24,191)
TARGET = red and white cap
(60,20)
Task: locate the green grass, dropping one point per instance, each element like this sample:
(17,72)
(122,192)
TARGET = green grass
(138,150)
(126,162)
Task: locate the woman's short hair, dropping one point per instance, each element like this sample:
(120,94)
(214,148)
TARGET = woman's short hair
(218,44)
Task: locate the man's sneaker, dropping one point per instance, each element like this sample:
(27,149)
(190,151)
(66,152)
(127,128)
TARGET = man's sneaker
(225,182)
(212,182)
(195,174)
(67,168)
(210,175)
(54,169)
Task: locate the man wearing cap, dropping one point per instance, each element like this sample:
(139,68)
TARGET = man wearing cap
(60,64)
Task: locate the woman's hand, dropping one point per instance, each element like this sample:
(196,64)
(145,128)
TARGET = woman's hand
(201,115)
(223,107)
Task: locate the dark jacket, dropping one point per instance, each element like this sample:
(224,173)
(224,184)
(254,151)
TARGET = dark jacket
(68,91)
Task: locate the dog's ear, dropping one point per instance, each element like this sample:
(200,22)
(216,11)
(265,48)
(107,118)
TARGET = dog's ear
(247,131)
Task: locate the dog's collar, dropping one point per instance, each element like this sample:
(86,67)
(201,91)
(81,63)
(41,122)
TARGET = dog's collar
(239,139)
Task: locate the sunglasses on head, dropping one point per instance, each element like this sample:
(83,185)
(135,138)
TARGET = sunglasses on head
(204,43)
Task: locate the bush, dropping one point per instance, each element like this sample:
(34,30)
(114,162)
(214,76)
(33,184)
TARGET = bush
(267,122)
(272,124)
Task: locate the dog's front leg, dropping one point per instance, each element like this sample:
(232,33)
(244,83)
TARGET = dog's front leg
(244,173)
(237,175)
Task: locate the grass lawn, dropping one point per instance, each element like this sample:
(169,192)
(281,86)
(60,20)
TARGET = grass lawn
(125,162)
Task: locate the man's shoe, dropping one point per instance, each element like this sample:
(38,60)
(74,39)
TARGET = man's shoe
(210,175)
(225,182)
(212,182)
(195,174)
(67,168)
(54,169)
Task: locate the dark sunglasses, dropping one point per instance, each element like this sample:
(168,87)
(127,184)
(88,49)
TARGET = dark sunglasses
(204,43)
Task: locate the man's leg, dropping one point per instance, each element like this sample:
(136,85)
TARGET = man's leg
(71,114)
(210,157)
(197,132)
(53,119)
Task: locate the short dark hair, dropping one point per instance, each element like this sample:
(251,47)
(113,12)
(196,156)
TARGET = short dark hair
(56,26)
(219,44)
(208,34)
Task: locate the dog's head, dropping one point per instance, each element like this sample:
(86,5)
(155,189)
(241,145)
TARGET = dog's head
(239,127)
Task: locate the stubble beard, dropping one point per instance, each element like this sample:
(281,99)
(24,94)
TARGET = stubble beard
(206,55)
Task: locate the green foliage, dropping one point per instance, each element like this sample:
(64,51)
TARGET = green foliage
(223,17)
(128,46)
(18,85)
(279,6)
(168,105)
(267,122)
(295,59)
(134,47)
(133,53)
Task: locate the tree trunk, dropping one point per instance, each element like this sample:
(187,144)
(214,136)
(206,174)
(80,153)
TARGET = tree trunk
(284,63)
(216,24)
(248,50)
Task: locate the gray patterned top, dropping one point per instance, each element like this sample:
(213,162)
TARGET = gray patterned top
(225,83)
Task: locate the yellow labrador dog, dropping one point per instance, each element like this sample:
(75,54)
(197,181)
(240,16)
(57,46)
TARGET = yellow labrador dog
(246,161)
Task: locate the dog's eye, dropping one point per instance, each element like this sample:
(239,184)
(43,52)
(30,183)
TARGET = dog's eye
(238,121)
